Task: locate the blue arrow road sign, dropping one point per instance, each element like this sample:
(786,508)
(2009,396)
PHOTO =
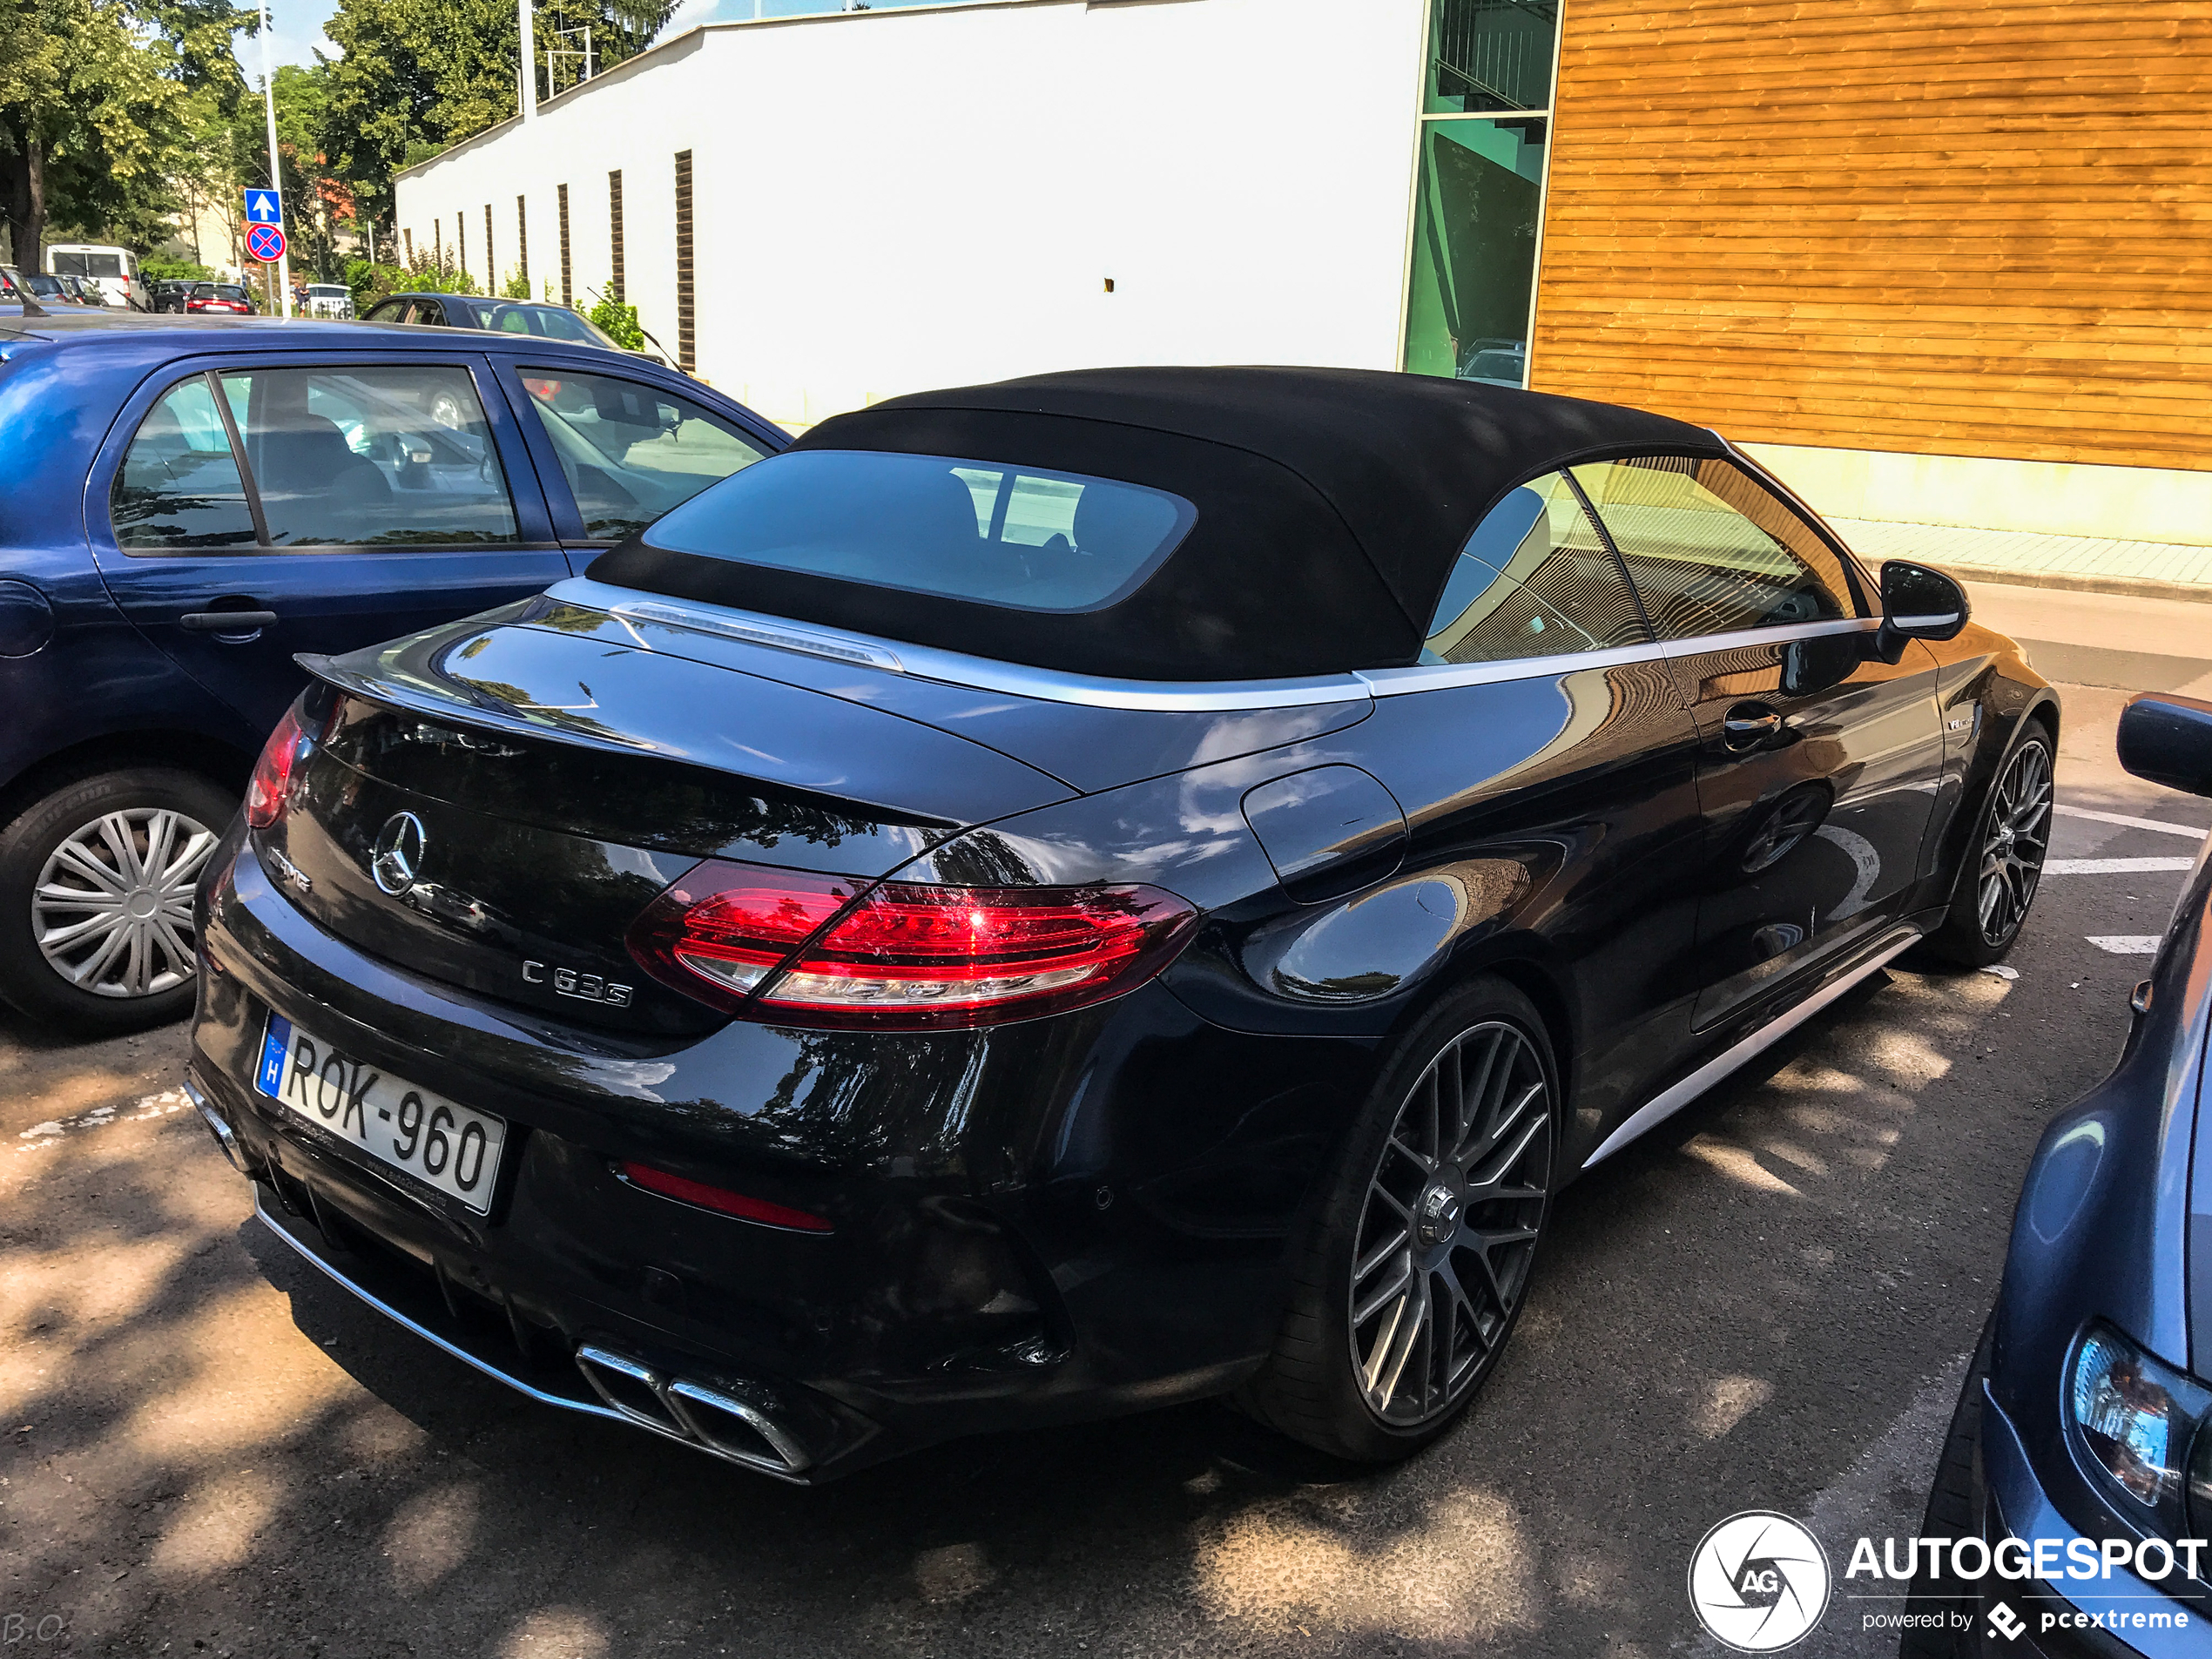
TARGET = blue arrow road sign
(264,207)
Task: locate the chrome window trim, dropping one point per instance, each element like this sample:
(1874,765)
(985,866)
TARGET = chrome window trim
(632,606)
(1437,677)
(955,668)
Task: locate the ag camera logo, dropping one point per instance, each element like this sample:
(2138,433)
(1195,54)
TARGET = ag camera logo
(1758,1582)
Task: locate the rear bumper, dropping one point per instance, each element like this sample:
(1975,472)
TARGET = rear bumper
(741,1422)
(1039,1225)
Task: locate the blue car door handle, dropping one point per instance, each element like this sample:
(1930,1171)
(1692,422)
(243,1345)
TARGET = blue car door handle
(227,622)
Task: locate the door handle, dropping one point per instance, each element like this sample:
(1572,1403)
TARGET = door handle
(1748,726)
(226,622)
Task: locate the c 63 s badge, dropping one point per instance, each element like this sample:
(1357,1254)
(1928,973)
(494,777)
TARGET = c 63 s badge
(585,988)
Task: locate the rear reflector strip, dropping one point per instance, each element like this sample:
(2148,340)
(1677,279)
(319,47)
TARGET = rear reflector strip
(719,1198)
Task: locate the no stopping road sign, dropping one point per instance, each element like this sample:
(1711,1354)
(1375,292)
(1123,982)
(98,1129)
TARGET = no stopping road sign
(265,243)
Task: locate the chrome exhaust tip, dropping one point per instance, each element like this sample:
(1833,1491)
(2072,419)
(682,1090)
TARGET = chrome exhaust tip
(226,1137)
(716,1420)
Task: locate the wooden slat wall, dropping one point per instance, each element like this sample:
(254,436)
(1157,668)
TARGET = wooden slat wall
(1977,227)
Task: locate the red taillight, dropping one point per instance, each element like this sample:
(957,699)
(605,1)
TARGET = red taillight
(799,949)
(730,1204)
(265,796)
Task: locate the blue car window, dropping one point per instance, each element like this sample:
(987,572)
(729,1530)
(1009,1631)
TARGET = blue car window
(958,530)
(179,486)
(1533,580)
(631,451)
(346,456)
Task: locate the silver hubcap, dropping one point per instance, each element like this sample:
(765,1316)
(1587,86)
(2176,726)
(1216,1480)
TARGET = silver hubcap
(112,909)
(1449,1229)
(2018,838)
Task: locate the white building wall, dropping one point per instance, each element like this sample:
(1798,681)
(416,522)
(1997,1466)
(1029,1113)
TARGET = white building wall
(891,200)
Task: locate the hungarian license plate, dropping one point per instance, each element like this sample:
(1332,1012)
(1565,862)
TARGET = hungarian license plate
(452,1147)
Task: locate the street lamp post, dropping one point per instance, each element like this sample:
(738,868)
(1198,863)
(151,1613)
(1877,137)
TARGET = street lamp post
(276,177)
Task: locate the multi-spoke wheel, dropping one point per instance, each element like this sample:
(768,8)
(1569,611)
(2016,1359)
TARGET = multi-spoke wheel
(1452,1213)
(1420,1260)
(2004,864)
(96,897)
(112,909)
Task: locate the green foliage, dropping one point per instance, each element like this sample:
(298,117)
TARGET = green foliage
(417,76)
(620,323)
(518,285)
(371,283)
(154,268)
(89,99)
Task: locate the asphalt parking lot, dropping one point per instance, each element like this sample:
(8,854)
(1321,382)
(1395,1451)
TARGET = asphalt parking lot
(1767,1304)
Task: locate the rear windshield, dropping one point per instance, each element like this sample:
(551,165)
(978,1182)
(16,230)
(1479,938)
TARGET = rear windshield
(88,264)
(982,530)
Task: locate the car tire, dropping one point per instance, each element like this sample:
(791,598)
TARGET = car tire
(2015,813)
(1343,1375)
(133,843)
(1954,1511)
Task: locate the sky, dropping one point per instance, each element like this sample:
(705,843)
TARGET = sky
(297,34)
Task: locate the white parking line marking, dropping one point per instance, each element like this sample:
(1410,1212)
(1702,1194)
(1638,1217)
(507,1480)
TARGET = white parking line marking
(2127,944)
(2132,823)
(2114,866)
(39,1136)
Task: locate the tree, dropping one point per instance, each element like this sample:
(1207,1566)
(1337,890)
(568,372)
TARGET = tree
(417,76)
(85,106)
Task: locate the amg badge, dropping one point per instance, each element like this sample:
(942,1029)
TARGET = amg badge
(585,988)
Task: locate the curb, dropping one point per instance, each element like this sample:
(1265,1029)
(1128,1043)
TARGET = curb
(2127,586)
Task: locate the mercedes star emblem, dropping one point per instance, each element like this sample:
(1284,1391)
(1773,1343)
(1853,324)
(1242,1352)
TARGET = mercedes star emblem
(399,853)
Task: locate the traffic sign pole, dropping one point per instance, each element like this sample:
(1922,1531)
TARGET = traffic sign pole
(276,177)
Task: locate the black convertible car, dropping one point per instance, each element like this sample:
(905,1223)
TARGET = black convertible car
(1052,898)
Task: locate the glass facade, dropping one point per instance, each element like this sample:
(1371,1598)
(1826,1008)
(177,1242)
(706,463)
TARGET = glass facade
(1478,199)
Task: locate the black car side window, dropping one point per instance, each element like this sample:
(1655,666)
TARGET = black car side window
(179,486)
(1712,550)
(1533,580)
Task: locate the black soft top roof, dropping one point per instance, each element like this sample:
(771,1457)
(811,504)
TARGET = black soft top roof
(1332,503)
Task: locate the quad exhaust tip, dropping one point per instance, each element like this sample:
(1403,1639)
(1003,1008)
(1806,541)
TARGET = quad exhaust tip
(714,1419)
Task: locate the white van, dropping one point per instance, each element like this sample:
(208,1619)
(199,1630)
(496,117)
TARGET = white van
(115,269)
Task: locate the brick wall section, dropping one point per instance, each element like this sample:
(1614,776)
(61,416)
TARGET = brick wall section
(1974,228)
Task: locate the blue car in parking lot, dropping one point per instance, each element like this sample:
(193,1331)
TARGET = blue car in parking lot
(191,504)
(2073,1501)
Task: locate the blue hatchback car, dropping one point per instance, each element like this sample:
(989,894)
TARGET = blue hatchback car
(2073,1502)
(191,504)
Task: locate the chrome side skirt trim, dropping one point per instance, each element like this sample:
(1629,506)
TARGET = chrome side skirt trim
(1665,1105)
(634,608)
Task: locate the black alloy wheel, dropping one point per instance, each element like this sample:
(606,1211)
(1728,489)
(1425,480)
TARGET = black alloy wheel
(1420,1260)
(1998,877)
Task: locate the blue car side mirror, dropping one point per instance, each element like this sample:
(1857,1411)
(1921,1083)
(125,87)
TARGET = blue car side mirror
(2168,740)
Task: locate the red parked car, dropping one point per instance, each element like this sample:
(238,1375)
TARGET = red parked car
(219,297)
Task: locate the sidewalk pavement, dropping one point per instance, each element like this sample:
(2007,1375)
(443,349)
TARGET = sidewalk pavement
(2021,558)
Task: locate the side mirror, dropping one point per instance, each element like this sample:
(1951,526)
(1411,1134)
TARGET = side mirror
(2168,740)
(1917,603)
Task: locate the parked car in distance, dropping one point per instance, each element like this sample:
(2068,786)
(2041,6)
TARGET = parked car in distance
(82,290)
(166,294)
(1496,362)
(225,494)
(329,299)
(47,290)
(219,299)
(1110,888)
(507,316)
(110,274)
(2087,1415)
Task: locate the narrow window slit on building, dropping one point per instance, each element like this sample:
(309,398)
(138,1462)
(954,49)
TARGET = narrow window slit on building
(686,338)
